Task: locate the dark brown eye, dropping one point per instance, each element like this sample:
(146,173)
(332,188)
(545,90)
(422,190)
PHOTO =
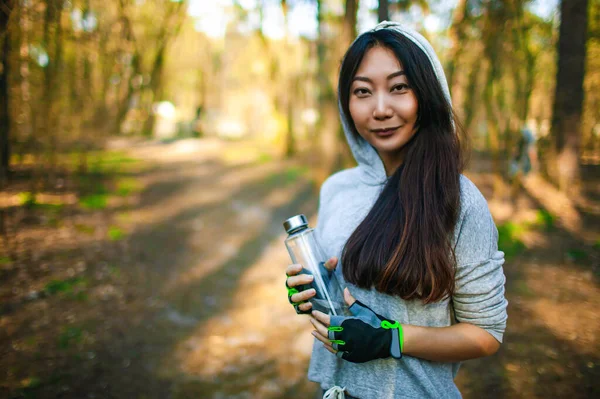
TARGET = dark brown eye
(401,87)
(361,92)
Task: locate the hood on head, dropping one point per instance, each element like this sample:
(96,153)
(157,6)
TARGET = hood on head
(372,170)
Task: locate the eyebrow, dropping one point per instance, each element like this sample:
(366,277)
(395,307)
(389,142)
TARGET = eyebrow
(391,76)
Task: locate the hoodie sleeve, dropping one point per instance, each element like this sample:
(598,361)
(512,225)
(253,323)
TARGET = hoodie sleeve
(323,196)
(479,291)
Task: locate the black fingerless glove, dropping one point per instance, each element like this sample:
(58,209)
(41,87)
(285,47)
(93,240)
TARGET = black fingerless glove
(365,336)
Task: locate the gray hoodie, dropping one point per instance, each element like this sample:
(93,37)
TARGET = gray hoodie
(345,199)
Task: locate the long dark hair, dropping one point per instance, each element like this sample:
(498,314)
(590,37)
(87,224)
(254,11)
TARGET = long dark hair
(403,246)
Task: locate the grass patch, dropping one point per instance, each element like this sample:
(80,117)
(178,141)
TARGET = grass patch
(264,158)
(53,209)
(290,175)
(123,217)
(114,271)
(521,288)
(67,286)
(127,186)
(94,201)
(112,162)
(115,233)
(91,184)
(26,199)
(508,239)
(70,336)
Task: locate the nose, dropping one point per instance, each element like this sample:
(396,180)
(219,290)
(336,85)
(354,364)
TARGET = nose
(382,109)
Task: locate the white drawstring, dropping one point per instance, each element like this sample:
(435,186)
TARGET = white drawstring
(335,393)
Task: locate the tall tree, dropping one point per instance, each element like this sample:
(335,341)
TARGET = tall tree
(171,25)
(458,35)
(6,6)
(568,97)
(383,11)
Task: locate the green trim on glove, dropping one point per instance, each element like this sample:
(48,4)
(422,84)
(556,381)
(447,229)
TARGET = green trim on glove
(389,326)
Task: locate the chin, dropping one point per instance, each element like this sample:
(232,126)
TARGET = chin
(389,147)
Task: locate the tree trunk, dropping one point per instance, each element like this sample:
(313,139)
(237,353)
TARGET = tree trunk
(328,115)
(6,7)
(350,20)
(568,97)
(155,89)
(171,27)
(383,11)
(52,34)
(458,36)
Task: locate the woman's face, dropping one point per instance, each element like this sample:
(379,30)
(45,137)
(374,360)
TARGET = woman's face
(383,106)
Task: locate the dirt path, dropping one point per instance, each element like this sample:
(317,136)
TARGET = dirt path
(197,308)
(208,232)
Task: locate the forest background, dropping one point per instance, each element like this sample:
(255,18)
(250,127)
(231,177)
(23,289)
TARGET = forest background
(116,115)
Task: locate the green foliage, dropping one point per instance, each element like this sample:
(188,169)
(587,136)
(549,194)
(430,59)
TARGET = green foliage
(29,387)
(576,255)
(508,239)
(5,260)
(33,382)
(115,233)
(545,219)
(69,336)
(93,202)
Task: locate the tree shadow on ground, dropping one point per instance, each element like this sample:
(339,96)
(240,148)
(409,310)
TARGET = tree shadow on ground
(126,353)
(534,360)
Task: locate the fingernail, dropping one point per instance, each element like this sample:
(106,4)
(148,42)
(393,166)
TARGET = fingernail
(311,278)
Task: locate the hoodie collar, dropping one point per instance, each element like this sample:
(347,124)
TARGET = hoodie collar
(370,165)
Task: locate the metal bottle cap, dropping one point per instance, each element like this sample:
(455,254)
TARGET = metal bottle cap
(295,223)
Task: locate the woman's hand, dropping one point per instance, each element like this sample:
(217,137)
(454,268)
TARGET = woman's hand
(296,284)
(362,337)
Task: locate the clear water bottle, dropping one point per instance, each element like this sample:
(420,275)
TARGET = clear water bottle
(304,249)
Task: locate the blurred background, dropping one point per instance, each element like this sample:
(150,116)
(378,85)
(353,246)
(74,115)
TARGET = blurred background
(151,149)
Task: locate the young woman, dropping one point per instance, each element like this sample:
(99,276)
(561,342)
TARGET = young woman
(417,243)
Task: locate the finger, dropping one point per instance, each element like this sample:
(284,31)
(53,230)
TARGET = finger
(303,296)
(324,340)
(294,269)
(300,279)
(321,329)
(325,319)
(305,307)
(348,297)
(330,349)
(331,264)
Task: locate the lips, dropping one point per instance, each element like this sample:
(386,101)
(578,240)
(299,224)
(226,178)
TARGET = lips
(385,131)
